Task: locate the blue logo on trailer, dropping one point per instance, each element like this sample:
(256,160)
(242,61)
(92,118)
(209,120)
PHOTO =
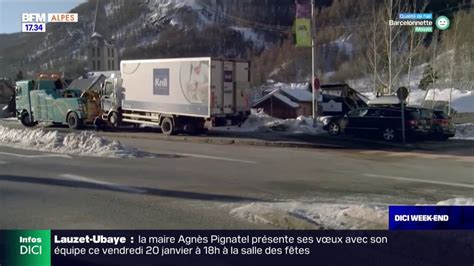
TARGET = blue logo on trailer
(161,81)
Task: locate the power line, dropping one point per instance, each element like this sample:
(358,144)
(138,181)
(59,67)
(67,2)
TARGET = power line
(264,26)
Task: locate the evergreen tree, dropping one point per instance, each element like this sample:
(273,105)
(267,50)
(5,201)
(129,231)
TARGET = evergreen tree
(429,77)
(19,76)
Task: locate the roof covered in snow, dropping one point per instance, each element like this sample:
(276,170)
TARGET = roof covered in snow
(280,95)
(298,94)
(385,100)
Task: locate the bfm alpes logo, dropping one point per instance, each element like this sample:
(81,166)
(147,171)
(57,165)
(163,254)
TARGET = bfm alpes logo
(36,22)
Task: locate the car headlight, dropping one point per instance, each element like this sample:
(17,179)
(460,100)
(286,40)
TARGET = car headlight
(325,121)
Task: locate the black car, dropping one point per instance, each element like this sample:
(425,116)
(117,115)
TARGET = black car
(443,126)
(380,121)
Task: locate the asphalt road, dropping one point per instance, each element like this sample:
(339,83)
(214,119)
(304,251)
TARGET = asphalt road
(194,185)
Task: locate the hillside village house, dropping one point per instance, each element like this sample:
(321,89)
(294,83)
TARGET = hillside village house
(286,103)
(101,55)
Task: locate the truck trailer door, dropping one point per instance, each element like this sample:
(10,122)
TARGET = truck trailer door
(242,88)
(228,101)
(217,87)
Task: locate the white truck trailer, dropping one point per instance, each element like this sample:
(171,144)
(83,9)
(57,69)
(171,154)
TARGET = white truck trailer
(186,94)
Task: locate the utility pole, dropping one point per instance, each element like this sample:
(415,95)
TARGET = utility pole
(313,54)
(95,16)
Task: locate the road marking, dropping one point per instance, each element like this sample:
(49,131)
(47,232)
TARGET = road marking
(421,181)
(420,155)
(3,162)
(215,158)
(37,156)
(103,183)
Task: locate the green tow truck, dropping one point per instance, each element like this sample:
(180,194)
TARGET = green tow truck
(47,102)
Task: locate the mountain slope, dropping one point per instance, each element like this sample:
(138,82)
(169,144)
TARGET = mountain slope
(148,28)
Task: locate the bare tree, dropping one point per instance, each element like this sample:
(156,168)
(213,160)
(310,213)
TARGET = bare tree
(416,41)
(393,48)
(454,40)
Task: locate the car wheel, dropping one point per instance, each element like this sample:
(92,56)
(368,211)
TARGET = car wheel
(114,119)
(73,121)
(388,134)
(167,126)
(26,121)
(334,129)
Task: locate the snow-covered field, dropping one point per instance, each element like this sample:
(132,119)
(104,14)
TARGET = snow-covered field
(83,144)
(332,216)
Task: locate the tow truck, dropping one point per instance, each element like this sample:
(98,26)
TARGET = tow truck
(46,100)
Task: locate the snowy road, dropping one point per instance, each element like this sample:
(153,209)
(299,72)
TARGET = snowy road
(191,185)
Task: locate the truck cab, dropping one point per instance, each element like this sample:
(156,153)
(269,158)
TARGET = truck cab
(46,101)
(111,99)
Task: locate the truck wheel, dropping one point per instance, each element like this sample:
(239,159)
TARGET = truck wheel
(25,120)
(114,119)
(167,126)
(73,121)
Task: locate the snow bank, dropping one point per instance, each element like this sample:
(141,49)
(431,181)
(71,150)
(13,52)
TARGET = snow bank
(265,123)
(300,215)
(329,216)
(84,143)
(457,202)
(465,131)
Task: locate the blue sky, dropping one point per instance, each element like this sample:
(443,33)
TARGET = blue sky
(11,10)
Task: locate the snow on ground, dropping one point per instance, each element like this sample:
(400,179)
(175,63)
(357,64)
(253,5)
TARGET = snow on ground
(251,35)
(315,215)
(300,215)
(457,202)
(83,144)
(262,122)
(465,131)
(293,86)
(462,100)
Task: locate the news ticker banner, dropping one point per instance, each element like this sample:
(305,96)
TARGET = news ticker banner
(230,247)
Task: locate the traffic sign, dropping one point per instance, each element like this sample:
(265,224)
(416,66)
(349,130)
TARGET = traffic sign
(402,93)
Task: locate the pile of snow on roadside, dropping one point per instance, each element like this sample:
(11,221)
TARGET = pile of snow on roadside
(319,215)
(84,143)
(457,202)
(465,131)
(302,215)
(265,123)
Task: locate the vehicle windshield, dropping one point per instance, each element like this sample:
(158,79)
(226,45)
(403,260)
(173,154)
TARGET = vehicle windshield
(441,115)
